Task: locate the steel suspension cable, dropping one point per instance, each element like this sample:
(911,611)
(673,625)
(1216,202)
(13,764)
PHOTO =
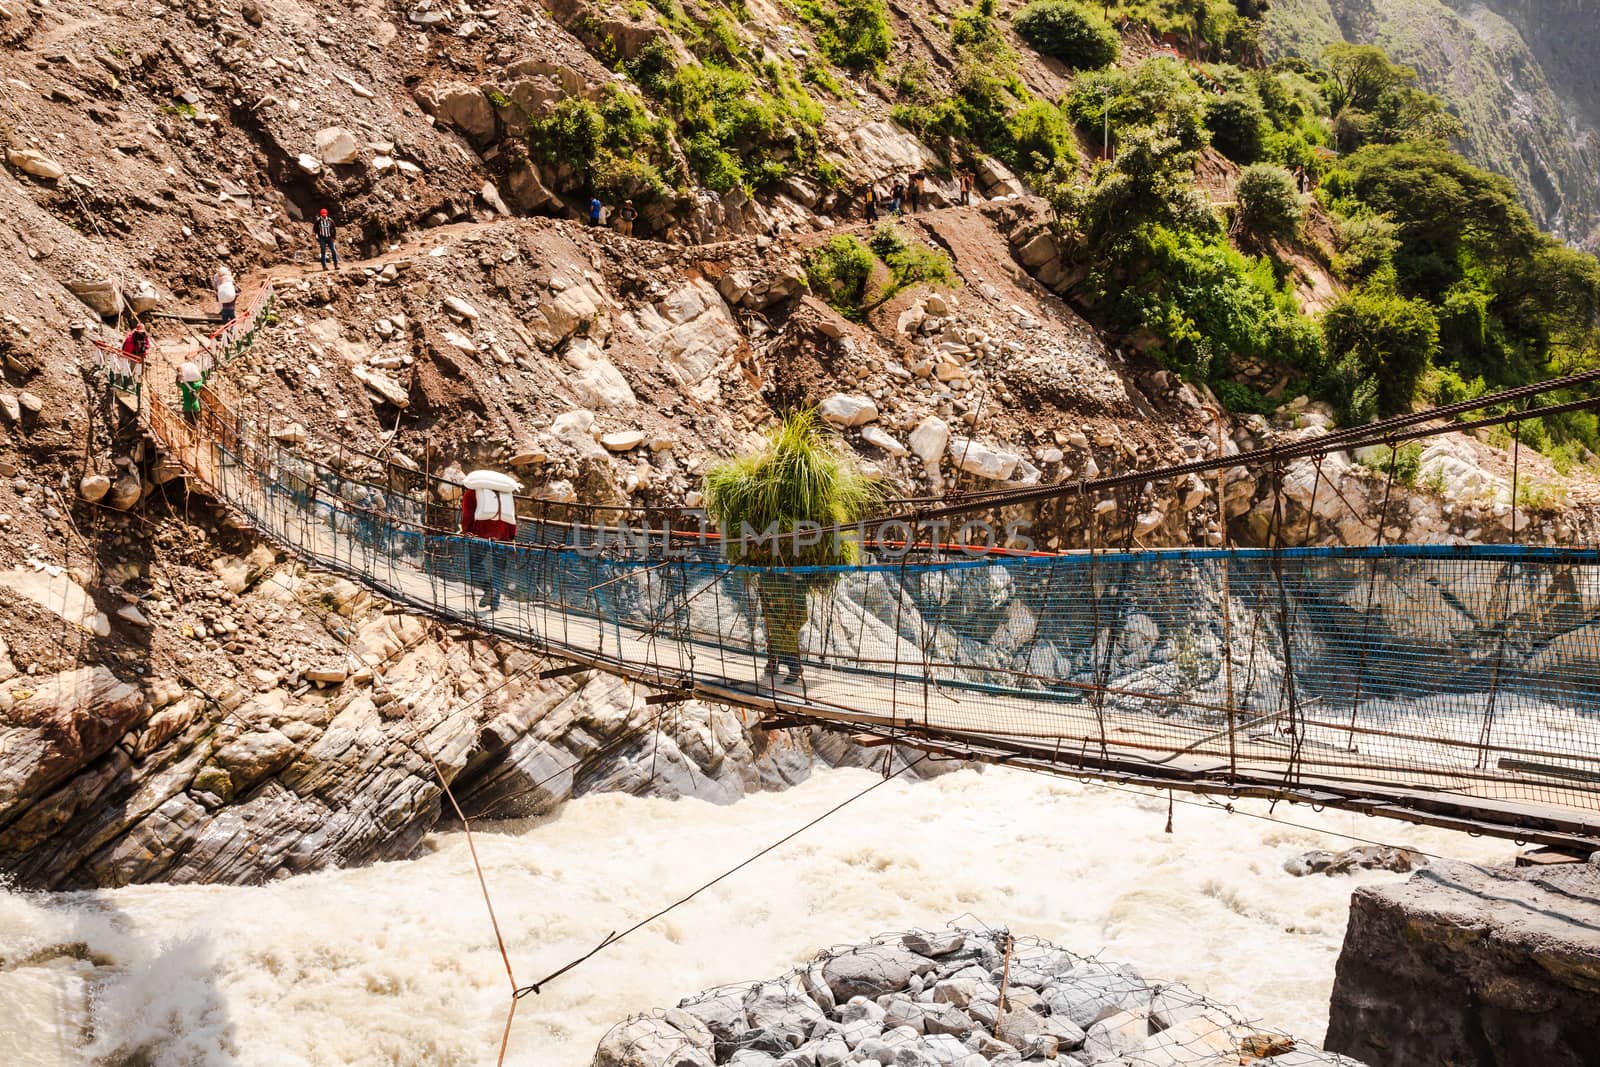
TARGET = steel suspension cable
(1321,445)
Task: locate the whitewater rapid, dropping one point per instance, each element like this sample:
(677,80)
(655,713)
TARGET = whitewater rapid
(395,964)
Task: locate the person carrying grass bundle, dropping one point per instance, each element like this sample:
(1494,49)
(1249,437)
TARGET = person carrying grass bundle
(775,508)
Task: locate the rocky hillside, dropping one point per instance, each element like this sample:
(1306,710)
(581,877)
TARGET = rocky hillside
(182,702)
(1519,73)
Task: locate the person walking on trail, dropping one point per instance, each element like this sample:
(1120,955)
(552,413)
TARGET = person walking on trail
(966,189)
(190,381)
(625,218)
(325,230)
(135,347)
(897,196)
(870,200)
(914,193)
(227,293)
(596,210)
(1300,177)
(488,516)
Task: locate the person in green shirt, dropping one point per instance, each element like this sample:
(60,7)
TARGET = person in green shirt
(190,382)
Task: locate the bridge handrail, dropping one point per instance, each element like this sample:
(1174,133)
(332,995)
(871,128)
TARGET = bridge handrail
(1450,714)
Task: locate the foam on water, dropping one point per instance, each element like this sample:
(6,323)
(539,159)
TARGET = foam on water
(395,963)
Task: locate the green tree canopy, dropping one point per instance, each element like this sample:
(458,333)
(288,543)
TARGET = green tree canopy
(1442,206)
(1068,32)
(1380,344)
(1359,74)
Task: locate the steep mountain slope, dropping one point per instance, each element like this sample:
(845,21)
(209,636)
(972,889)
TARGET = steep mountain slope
(195,706)
(1520,75)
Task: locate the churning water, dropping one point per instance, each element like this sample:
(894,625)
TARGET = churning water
(395,964)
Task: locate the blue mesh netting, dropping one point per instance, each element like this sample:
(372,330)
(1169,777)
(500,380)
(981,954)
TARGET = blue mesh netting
(1463,673)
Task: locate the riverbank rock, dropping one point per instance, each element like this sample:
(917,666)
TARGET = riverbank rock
(1362,857)
(933,999)
(1469,965)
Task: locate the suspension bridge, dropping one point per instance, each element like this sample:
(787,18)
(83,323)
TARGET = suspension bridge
(1457,686)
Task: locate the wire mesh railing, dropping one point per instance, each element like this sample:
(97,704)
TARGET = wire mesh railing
(1453,683)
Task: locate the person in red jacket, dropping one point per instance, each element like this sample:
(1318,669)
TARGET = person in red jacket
(492,516)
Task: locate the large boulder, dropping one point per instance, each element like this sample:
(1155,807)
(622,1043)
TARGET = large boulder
(929,439)
(575,309)
(146,297)
(691,331)
(94,487)
(780,1011)
(995,180)
(598,384)
(842,409)
(981,460)
(1472,965)
(125,492)
(337,145)
(1038,251)
(1093,991)
(254,755)
(527,191)
(872,970)
(650,1043)
(887,149)
(385,387)
(461,106)
(101,293)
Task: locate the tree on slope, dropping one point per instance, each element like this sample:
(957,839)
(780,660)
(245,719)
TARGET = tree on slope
(774,508)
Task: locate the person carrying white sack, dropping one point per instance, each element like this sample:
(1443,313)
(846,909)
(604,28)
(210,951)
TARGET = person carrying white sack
(227,293)
(489,512)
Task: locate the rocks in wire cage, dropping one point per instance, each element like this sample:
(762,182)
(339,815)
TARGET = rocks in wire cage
(933,998)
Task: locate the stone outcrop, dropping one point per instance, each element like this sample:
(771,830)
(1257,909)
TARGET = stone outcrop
(107,782)
(1467,966)
(934,999)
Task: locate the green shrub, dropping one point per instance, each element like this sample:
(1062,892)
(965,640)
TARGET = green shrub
(852,33)
(618,178)
(910,82)
(1234,37)
(572,133)
(828,175)
(820,75)
(915,263)
(715,165)
(974,29)
(1242,398)
(1406,462)
(737,129)
(1205,301)
(838,272)
(1039,137)
(1238,125)
(1158,94)
(1152,181)
(886,240)
(1068,32)
(1269,204)
(1367,245)
(1381,344)
(653,67)
(1445,385)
